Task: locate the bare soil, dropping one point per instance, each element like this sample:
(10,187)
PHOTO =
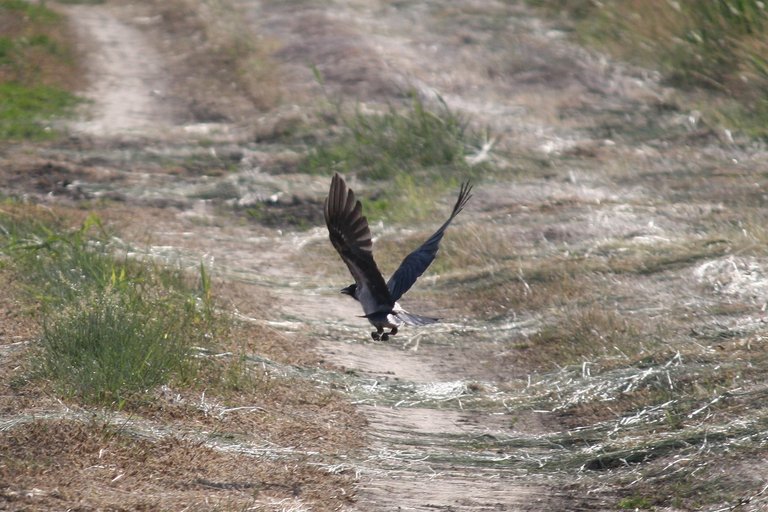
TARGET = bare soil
(602,296)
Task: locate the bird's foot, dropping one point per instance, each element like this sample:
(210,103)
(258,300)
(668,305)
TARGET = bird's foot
(385,336)
(376,335)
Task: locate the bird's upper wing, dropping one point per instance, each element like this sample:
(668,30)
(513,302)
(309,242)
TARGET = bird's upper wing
(417,262)
(351,236)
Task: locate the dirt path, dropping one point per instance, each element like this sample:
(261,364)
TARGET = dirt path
(453,423)
(128,79)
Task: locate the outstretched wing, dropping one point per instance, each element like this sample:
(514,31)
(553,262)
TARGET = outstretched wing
(350,235)
(417,262)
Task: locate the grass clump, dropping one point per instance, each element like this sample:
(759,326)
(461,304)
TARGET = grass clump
(113,328)
(381,146)
(713,45)
(38,71)
(106,349)
(24,110)
(420,152)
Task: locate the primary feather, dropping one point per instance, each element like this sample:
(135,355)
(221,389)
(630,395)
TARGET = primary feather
(350,235)
(414,265)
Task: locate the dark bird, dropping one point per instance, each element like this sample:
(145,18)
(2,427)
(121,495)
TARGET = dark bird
(351,236)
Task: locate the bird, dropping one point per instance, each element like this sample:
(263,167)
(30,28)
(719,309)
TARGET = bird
(350,235)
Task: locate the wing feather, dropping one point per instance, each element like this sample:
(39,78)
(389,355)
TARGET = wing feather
(414,265)
(351,237)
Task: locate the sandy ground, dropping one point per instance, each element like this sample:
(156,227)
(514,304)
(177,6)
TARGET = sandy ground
(444,433)
(128,96)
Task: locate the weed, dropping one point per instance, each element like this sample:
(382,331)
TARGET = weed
(112,327)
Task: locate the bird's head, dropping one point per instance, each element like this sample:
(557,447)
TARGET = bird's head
(349,290)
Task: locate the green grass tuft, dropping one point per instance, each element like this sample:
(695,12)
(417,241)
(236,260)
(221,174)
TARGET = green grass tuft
(106,349)
(416,153)
(113,328)
(420,142)
(33,12)
(25,111)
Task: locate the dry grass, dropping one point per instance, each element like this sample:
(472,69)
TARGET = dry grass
(194,437)
(710,46)
(226,69)
(54,464)
(37,47)
(504,270)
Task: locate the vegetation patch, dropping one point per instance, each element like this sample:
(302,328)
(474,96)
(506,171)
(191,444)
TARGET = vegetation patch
(153,342)
(26,110)
(717,46)
(38,70)
(420,151)
(112,327)
(48,465)
(379,146)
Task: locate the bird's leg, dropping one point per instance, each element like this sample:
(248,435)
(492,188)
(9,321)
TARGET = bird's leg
(386,335)
(376,335)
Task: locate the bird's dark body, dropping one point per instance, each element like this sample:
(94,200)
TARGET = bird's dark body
(351,237)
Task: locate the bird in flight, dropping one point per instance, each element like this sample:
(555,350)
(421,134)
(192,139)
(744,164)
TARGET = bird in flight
(350,235)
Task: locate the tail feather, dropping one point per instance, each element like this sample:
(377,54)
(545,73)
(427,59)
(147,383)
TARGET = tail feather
(411,319)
